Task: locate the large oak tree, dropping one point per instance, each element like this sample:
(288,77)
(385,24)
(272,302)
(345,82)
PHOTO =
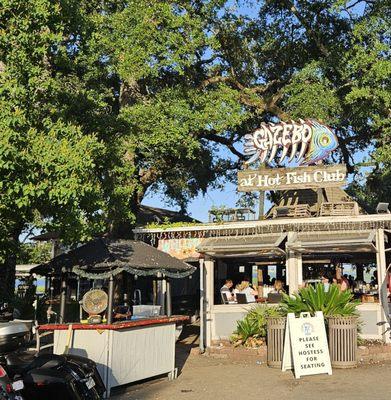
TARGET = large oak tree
(102,101)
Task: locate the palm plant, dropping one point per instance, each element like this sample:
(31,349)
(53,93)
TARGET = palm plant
(259,316)
(252,329)
(334,302)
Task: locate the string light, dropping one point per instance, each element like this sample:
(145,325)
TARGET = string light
(220,231)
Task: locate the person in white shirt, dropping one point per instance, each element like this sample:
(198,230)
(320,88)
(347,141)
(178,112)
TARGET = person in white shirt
(226,288)
(244,287)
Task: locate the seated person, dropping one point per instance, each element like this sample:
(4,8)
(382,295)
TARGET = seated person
(226,289)
(278,287)
(244,287)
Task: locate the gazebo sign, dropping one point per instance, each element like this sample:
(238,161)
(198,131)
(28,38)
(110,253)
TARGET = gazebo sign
(310,139)
(292,178)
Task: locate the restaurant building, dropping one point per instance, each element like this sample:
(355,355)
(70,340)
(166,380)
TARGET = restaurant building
(313,230)
(294,246)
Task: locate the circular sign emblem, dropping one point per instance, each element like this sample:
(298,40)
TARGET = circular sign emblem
(307,329)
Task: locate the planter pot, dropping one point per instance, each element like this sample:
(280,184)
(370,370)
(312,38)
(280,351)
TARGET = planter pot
(275,341)
(343,341)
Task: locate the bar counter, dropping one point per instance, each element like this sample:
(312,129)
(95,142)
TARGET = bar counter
(116,325)
(124,352)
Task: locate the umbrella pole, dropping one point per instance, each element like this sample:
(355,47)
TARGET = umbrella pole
(110,301)
(63,298)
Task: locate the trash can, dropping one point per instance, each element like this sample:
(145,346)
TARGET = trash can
(275,341)
(343,341)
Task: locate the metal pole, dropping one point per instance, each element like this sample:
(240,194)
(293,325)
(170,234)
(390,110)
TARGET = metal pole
(168,298)
(78,289)
(202,306)
(63,296)
(110,302)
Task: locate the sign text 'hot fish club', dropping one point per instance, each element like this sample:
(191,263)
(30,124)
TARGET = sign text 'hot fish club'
(292,178)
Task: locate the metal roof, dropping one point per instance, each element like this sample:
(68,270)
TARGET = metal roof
(334,242)
(266,245)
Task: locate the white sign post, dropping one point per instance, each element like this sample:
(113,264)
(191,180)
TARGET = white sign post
(305,346)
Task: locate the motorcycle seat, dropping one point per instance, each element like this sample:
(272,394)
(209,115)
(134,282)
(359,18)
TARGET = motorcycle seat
(20,362)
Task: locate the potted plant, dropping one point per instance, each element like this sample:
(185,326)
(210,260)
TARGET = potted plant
(340,311)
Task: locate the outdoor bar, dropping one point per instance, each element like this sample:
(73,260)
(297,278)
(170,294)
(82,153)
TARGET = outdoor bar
(124,352)
(126,346)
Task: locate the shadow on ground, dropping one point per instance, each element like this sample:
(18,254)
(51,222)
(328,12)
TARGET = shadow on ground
(188,339)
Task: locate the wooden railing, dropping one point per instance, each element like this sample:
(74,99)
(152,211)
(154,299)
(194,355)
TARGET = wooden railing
(341,208)
(297,211)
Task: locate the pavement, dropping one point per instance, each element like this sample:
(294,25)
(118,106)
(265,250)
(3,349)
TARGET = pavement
(206,378)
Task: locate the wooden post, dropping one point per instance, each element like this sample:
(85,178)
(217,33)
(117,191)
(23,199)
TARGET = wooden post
(110,300)
(319,193)
(260,283)
(63,297)
(154,289)
(299,258)
(209,284)
(381,266)
(261,204)
(168,298)
(202,305)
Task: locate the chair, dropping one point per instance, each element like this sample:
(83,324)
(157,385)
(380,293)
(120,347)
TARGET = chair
(241,298)
(224,298)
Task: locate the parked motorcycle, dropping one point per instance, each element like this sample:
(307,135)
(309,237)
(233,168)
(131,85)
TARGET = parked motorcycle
(60,377)
(9,390)
(45,376)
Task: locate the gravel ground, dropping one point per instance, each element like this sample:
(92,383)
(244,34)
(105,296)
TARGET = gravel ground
(204,378)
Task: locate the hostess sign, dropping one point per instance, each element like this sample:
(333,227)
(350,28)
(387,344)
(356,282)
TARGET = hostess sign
(309,140)
(292,178)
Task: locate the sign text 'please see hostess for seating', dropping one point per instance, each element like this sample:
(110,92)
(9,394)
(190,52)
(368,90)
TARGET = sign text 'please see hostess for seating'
(305,345)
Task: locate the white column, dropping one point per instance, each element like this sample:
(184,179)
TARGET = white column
(382,281)
(161,291)
(294,273)
(209,299)
(299,269)
(202,305)
(292,266)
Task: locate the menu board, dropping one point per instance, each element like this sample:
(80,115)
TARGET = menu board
(305,347)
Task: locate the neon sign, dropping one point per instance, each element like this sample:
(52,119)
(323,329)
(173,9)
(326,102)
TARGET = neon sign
(316,142)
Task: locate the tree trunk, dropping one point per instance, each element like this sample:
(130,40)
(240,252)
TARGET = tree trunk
(8,268)
(123,229)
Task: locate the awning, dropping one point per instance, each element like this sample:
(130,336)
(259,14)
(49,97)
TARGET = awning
(101,258)
(334,242)
(260,245)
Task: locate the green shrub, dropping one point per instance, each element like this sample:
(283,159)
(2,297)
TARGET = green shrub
(252,329)
(310,299)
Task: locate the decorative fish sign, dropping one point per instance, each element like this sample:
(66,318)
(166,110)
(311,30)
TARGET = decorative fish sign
(316,142)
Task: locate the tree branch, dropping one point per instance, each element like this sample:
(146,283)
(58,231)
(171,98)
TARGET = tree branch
(311,33)
(226,142)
